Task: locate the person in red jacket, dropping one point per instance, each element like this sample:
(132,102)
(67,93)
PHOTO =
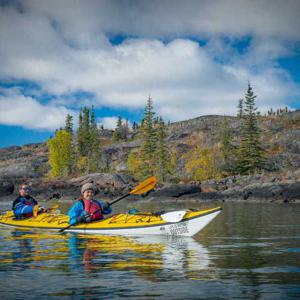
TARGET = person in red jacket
(87,209)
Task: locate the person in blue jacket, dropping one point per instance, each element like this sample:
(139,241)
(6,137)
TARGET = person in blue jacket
(86,209)
(24,204)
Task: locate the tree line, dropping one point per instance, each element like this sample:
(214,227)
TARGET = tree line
(80,152)
(75,152)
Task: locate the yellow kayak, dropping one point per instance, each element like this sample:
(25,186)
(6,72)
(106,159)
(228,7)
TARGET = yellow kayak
(178,223)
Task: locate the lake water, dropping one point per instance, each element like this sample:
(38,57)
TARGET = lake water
(250,251)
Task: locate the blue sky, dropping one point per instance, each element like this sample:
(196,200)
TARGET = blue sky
(194,58)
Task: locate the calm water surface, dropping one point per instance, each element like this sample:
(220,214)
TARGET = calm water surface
(250,251)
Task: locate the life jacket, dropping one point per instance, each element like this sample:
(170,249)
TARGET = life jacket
(26,201)
(93,208)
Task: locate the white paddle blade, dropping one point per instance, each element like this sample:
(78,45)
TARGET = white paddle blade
(173,216)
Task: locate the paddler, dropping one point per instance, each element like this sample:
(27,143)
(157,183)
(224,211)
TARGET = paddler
(87,209)
(23,206)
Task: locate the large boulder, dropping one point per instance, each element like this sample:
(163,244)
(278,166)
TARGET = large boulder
(6,188)
(106,183)
(176,190)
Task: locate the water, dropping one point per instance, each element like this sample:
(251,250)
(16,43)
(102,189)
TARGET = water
(250,251)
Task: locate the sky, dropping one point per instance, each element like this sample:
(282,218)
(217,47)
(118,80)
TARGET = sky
(192,57)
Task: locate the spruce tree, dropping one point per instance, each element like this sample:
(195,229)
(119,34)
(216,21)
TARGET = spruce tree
(162,152)
(240,108)
(69,123)
(149,141)
(250,150)
(80,135)
(135,126)
(94,152)
(117,133)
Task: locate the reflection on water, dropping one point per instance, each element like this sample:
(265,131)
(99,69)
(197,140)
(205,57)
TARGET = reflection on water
(248,251)
(104,258)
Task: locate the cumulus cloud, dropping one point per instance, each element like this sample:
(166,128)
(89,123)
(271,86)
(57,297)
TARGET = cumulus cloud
(18,110)
(108,122)
(68,50)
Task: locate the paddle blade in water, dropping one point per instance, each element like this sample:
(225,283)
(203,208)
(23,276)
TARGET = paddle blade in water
(144,186)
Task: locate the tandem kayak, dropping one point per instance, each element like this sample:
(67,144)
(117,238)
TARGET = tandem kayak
(177,223)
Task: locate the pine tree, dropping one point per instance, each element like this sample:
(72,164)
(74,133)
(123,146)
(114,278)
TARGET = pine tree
(69,129)
(149,142)
(125,130)
(250,150)
(69,123)
(135,126)
(117,133)
(240,108)
(88,141)
(94,153)
(162,153)
(80,135)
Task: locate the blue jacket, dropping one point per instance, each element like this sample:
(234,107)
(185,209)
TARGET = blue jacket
(77,210)
(23,206)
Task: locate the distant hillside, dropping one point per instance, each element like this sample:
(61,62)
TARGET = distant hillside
(281,133)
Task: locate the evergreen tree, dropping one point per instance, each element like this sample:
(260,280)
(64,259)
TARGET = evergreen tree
(125,130)
(250,150)
(88,141)
(69,123)
(162,152)
(117,133)
(149,142)
(135,126)
(60,153)
(240,108)
(80,135)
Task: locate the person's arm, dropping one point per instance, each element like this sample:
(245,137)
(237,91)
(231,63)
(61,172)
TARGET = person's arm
(106,209)
(15,203)
(75,212)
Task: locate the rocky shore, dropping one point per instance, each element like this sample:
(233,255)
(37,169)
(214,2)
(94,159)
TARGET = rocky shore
(280,181)
(262,188)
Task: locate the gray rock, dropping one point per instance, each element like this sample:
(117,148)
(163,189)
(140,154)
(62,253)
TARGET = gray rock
(6,188)
(176,190)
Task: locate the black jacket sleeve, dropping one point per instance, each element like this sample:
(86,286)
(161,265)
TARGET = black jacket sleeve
(15,203)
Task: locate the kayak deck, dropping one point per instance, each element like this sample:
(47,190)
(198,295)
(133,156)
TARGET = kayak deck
(124,224)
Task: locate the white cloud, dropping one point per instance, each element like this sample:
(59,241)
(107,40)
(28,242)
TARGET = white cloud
(66,50)
(80,22)
(108,122)
(18,110)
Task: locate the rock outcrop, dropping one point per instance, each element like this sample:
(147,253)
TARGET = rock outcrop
(30,162)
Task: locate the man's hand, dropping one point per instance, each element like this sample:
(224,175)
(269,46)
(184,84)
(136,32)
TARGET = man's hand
(105,206)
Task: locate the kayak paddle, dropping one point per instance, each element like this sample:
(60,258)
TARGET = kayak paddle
(140,189)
